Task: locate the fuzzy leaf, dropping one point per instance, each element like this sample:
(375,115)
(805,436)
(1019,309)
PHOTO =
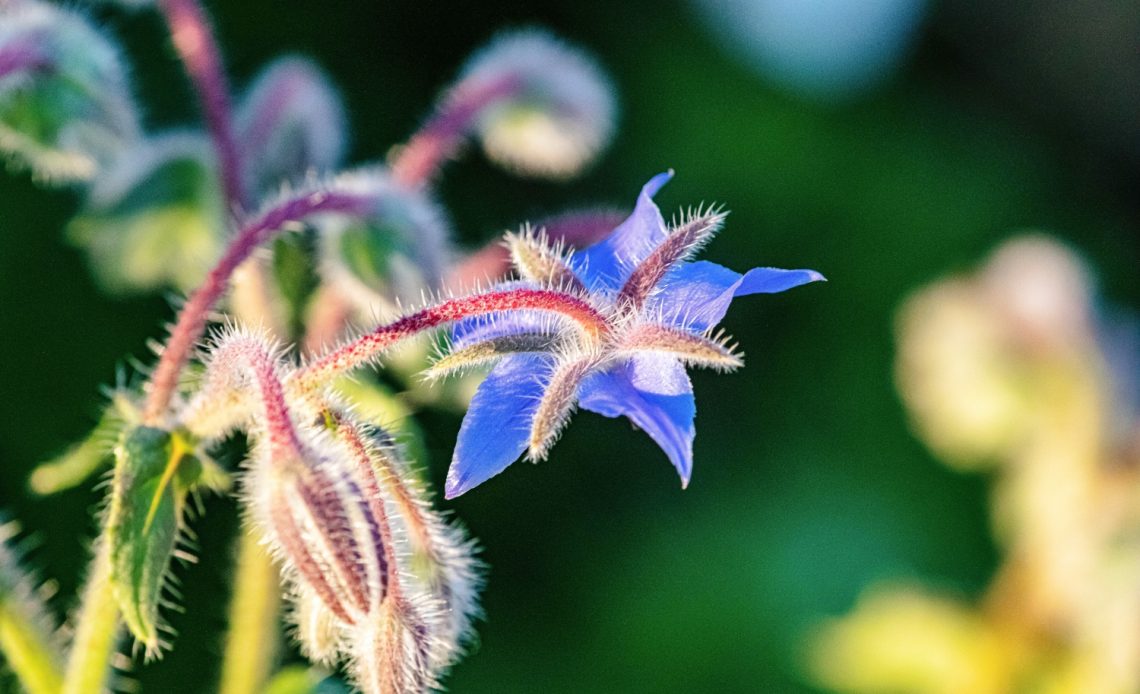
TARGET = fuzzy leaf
(76,464)
(65,102)
(153,474)
(155,219)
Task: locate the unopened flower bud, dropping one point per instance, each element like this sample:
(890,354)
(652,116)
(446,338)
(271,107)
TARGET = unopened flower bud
(393,252)
(290,123)
(155,217)
(320,524)
(560,113)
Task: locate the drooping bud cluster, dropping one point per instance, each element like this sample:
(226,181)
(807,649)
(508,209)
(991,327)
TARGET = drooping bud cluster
(376,578)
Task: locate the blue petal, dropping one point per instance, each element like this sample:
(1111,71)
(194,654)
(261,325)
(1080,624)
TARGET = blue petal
(607,263)
(495,431)
(697,295)
(655,393)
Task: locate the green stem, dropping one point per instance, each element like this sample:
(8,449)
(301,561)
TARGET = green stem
(96,630)
(28,650)
(252,642)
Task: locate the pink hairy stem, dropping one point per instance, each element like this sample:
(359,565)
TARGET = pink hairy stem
(194,40)
(371,345)
(419,160)
(192,318)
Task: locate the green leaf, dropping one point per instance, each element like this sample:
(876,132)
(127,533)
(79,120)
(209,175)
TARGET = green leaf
(155,219)
(154,471)
(81,460)
(293,270)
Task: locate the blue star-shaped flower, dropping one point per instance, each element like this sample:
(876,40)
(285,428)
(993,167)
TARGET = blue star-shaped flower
(660,308)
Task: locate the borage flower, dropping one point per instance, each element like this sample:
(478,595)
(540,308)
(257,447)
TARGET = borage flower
(660,311)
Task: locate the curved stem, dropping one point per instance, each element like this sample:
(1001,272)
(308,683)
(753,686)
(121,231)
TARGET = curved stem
(194,40)
(252,640)
(192,319)
(373,344)
(437,141)
(96,629)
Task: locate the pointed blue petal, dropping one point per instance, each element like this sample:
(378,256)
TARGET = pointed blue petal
(495,431)
(772,280)
(697,295)
(655,393)
(607,263)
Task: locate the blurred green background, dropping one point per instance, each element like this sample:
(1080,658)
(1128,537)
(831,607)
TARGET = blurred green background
(807,484)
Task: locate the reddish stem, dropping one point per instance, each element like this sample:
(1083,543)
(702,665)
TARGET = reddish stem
(439,138)
(194,40)
(192,319)
(348,432)
(370,346)
(250,355)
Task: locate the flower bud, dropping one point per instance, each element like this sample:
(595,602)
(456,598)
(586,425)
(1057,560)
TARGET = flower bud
(290,123)
(560,113)
(319,523)
(65,102)
(394,252)
(392,654)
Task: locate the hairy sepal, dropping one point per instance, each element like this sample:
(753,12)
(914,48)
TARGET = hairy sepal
(154,473)
(714,351)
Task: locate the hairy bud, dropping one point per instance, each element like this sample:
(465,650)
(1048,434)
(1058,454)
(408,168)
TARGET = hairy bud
(390,252)
(558,117)
(290,123)
(318,522)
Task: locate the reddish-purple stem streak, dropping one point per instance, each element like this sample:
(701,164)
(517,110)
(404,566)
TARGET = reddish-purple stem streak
(194,40)
(438,139)
(371,345)
(192,319)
